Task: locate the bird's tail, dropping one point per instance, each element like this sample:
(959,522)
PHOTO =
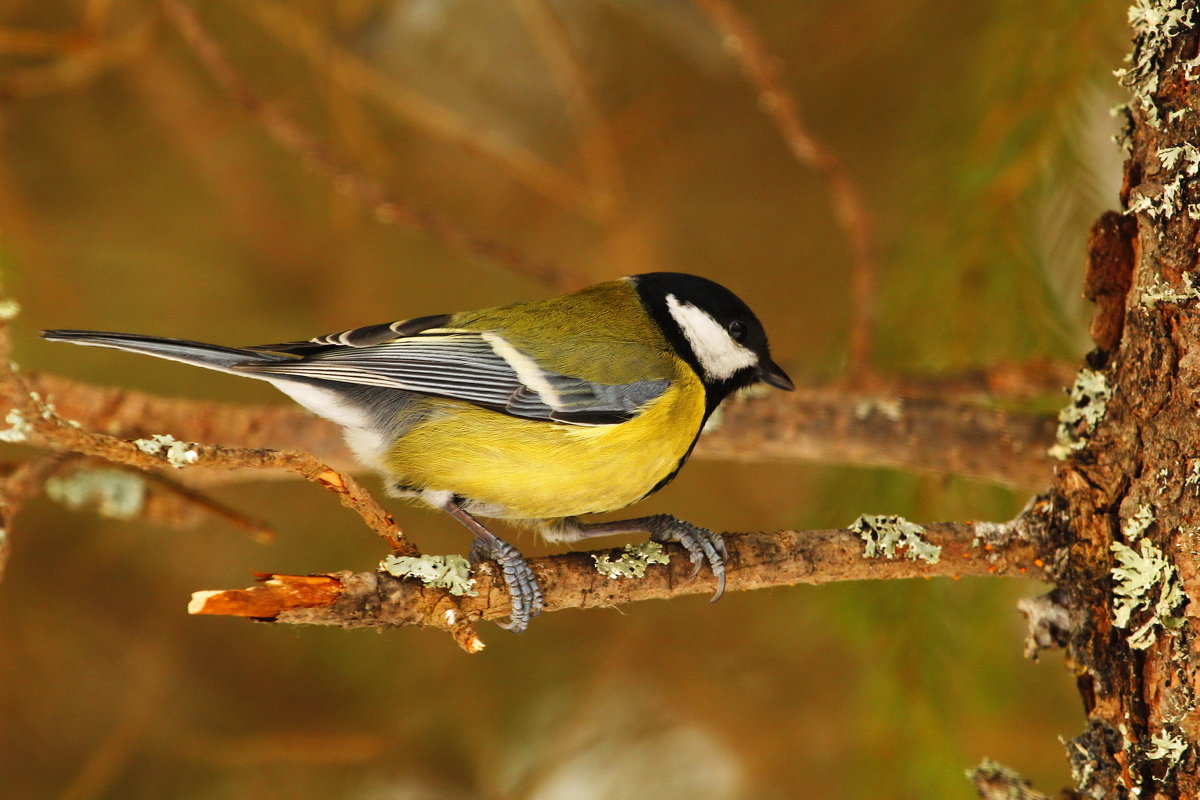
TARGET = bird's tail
(225,359)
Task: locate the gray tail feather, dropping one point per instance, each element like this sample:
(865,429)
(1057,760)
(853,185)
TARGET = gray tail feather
(226,359)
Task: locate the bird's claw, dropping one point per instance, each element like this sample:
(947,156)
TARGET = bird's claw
(701,545)
(523,589)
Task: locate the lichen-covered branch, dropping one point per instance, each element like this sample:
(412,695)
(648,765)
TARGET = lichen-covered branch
(572,580)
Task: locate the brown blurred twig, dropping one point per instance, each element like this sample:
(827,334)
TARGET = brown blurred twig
(762,71)
(570,580)
(78,56)
(293,29)
(289,133)
(87,484)
(597,147)
(842,426)
(1004,381)
(187,497)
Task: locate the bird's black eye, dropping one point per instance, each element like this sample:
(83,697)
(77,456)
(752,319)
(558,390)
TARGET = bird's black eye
(737,330)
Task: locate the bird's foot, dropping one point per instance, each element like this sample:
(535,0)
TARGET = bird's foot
(523,589)
(701,545)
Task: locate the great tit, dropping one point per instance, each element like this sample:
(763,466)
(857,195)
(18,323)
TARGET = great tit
(536,412)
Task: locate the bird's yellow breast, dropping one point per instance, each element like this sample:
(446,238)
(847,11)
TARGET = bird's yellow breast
(528,469)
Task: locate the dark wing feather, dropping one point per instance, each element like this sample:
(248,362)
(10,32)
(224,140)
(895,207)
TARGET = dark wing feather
(461,365)
(366,336)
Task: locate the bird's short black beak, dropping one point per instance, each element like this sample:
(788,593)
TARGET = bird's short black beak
(772,373)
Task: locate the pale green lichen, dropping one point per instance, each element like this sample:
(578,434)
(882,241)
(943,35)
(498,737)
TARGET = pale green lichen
(113,493)
(884,535)
(1139,523)
(1160,292)
(632,562)
(1168,200)
(1161,477)
(1135,577)
(18,429)
(891,408)
(1187,153)
(45,405)
(1001,781)
(1193,476)
(1167,746)
(178,454)
(1089,401)
(9,308)
(1155,23)
(452,573)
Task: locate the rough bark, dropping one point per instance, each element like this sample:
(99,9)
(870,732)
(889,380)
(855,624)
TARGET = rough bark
(1131,494)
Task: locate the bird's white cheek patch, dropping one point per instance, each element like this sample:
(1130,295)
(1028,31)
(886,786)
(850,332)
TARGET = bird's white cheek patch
(719,355)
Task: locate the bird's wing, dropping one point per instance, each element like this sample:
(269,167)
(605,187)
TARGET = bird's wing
(357,337)
(480,367)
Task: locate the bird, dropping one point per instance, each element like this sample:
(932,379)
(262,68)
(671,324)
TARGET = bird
(536,413)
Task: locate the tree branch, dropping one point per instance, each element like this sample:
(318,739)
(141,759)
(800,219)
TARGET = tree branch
(571,580)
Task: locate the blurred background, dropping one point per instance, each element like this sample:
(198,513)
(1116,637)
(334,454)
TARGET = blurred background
(610,137)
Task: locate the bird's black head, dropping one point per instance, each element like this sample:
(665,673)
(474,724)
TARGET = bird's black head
(713,330)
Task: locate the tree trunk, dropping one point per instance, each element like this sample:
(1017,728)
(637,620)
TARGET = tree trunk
(1129,490)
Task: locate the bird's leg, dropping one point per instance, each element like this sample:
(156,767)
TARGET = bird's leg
(523,589)
(701,544)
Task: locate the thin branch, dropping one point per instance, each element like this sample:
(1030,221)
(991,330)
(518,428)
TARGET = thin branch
(596,145)
(293,29)
(158,499)
(570,580)
(37,415)
(762,71)
(190,499)
(291,135)
(815,424)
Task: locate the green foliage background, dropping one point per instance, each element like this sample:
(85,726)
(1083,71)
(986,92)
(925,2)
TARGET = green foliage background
(135,195)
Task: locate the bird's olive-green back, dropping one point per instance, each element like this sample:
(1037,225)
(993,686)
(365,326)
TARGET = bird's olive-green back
(601,334)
